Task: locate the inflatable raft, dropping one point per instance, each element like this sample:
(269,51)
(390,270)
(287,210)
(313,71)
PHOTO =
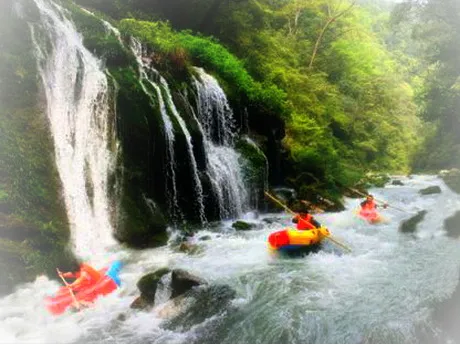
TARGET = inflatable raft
(292,240)
(372,216)
(108,283)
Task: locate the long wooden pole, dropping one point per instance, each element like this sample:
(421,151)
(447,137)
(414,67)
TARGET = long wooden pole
(295,214)
(381,201)
(77,305)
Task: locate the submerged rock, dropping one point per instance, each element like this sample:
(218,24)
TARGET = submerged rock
(240,225)
(199,305)
(271,220)
(397,183)
(430,190)
(182,281)
(204,238)
(190,248)
(410,225)
(452,225)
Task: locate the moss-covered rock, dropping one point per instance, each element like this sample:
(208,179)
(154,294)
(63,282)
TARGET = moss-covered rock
(242,226)
(147,285)
(255,164)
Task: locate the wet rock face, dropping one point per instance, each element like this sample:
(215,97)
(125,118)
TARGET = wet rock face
(430,190)
(240,225)
(410,225)
(182,281)
(200,305)
(147,285)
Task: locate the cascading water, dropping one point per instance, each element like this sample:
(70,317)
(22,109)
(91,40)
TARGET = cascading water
(145,70)
(78,108)
(156,96)
(188,138)
(217,123)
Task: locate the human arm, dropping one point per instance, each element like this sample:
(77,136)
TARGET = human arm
(315,223)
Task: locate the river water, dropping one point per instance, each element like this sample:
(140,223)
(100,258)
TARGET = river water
(385,290)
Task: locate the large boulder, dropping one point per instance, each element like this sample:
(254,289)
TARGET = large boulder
(147,285)
(199,305)
(410,225)
(182,281)
(240,225)
(430,190)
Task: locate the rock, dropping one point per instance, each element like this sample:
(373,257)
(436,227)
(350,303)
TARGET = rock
(240,225)
(147,285)
(452,225)
(140,303)
(186,247)
(397,183)
(182,281)
(430,190)
(201,304)
(271,220)
(451,179)
(204,238)
(121,317)
(410,225)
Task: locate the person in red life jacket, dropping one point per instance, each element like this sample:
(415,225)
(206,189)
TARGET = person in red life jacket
(85,277)
(305,220)
(369,204)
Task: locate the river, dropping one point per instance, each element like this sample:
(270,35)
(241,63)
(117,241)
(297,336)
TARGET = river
(385,290)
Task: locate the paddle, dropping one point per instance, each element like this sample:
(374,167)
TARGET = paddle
(295,214)
(77,305)
(381,201)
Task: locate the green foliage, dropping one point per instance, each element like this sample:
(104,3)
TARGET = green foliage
(353,111)
(211,55)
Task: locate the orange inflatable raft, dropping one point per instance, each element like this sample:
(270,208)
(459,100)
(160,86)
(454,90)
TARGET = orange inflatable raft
(291,240)
(108,283)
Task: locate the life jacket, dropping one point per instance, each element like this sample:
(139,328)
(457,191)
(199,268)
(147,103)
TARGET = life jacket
(369,205)
(304,222)
(92,276)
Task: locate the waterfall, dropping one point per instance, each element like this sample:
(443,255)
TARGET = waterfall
(165,104)
(79,111)
(217,124)
(137,49)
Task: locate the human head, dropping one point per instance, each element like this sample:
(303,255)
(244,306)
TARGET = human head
(369,197)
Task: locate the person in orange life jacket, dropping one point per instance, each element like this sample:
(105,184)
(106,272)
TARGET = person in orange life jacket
(305,220)
(85,277)
(369,203)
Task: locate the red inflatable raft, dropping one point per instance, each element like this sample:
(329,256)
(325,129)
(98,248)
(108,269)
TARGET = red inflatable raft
(63,299)
(372,216)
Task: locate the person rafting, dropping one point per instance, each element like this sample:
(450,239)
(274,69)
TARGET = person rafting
(370,205)
(85,277)
(305,221)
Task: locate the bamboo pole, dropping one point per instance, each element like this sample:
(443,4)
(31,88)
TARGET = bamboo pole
(295,214)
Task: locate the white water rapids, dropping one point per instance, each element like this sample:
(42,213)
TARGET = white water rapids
(383,291)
